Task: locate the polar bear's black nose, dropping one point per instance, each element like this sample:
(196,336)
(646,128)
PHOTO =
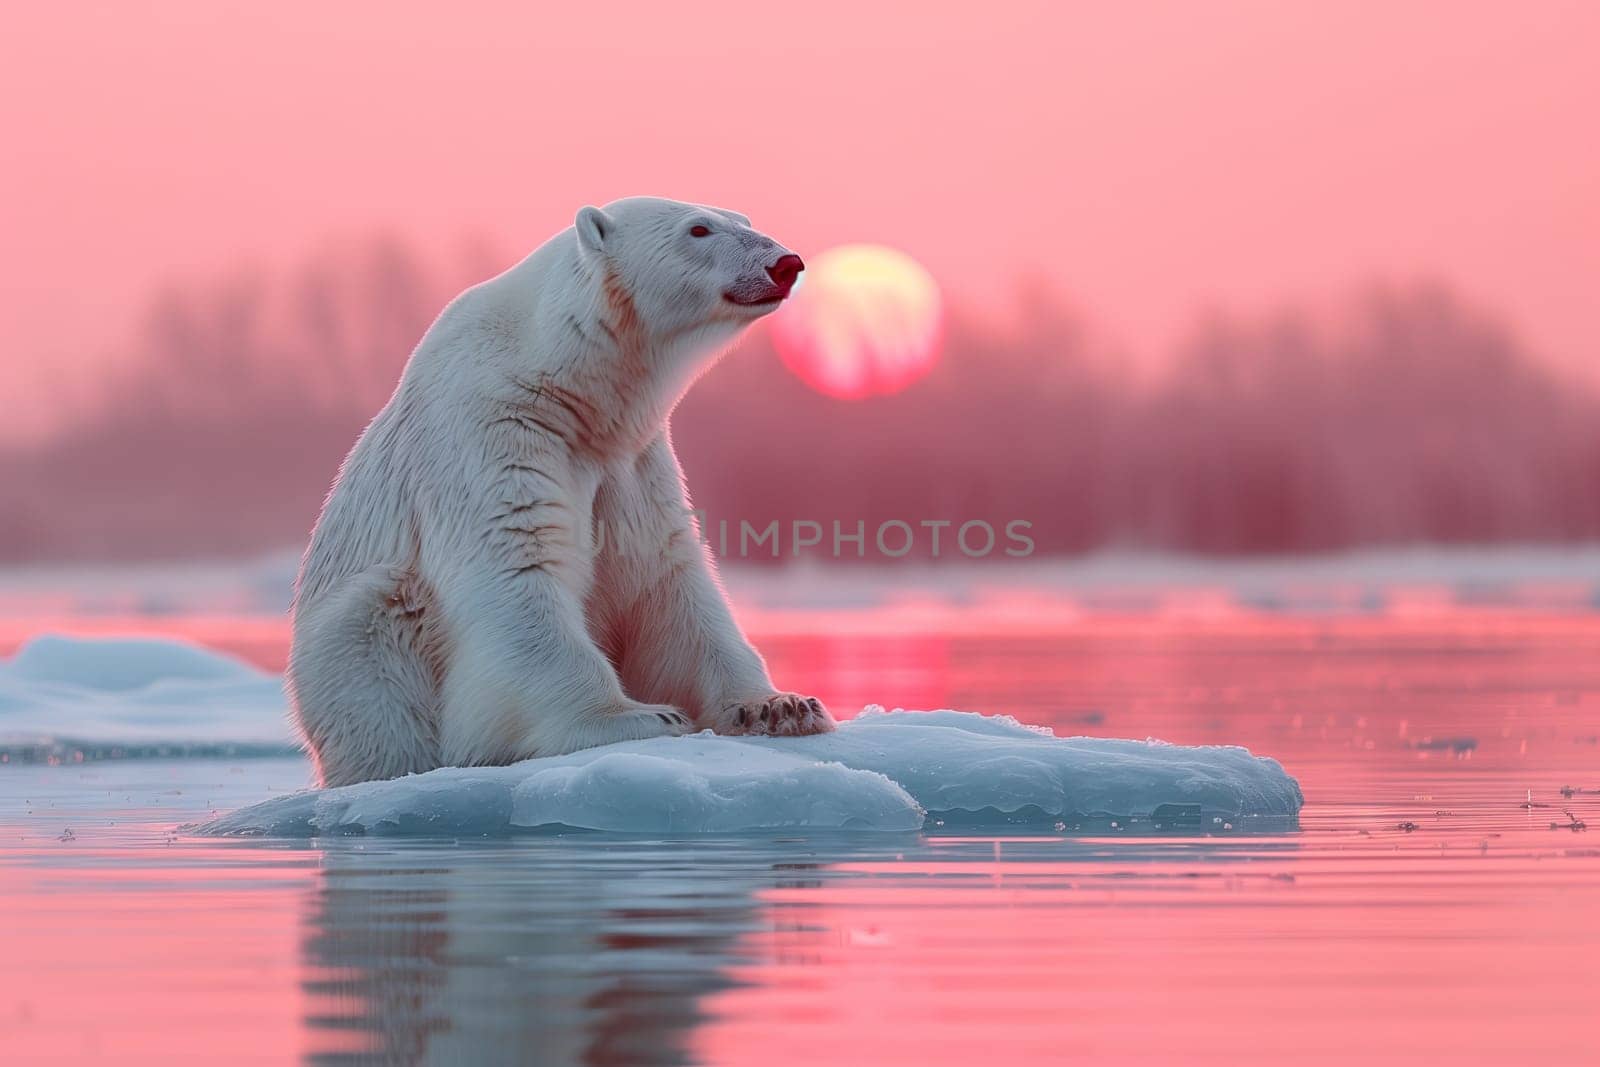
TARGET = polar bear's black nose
(785,271)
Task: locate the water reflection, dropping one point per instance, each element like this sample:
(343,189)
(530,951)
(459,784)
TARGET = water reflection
(546,950)
(584,950)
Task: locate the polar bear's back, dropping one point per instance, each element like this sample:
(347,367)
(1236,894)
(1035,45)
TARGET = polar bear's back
(366,521)
(415,458)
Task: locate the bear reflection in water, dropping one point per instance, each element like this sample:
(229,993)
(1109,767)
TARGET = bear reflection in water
(543,950)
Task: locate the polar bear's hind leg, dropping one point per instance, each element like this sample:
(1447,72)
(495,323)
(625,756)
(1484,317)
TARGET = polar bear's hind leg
(363,675)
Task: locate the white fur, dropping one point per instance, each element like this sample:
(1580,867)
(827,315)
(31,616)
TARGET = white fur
(506,566)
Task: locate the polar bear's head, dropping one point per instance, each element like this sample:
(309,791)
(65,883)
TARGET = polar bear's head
(685,269)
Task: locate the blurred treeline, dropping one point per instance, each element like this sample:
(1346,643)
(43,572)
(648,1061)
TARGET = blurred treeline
(1402,417)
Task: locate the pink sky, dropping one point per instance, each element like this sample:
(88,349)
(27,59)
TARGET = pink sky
(1150,160)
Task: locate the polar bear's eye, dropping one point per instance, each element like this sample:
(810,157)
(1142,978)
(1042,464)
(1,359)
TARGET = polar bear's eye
(699,231)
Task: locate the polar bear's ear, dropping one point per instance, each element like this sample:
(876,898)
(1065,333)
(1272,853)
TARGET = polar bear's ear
(593,226)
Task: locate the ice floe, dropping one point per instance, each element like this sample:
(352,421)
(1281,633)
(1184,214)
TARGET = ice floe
(899,770)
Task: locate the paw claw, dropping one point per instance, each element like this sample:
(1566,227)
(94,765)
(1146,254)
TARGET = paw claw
(779,715)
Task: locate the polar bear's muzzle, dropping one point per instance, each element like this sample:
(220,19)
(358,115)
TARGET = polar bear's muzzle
(770,290)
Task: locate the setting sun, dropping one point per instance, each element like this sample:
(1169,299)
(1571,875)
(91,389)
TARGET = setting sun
(864,322)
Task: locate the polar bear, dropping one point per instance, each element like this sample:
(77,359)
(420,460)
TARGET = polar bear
(507,566)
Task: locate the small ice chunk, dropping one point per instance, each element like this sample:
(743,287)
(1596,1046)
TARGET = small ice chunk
(120,664)
(126,694)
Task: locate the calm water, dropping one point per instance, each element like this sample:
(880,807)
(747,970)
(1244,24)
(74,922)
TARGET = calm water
(1425,911)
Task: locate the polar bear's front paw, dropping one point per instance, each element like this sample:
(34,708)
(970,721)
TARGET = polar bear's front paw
(779,715)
